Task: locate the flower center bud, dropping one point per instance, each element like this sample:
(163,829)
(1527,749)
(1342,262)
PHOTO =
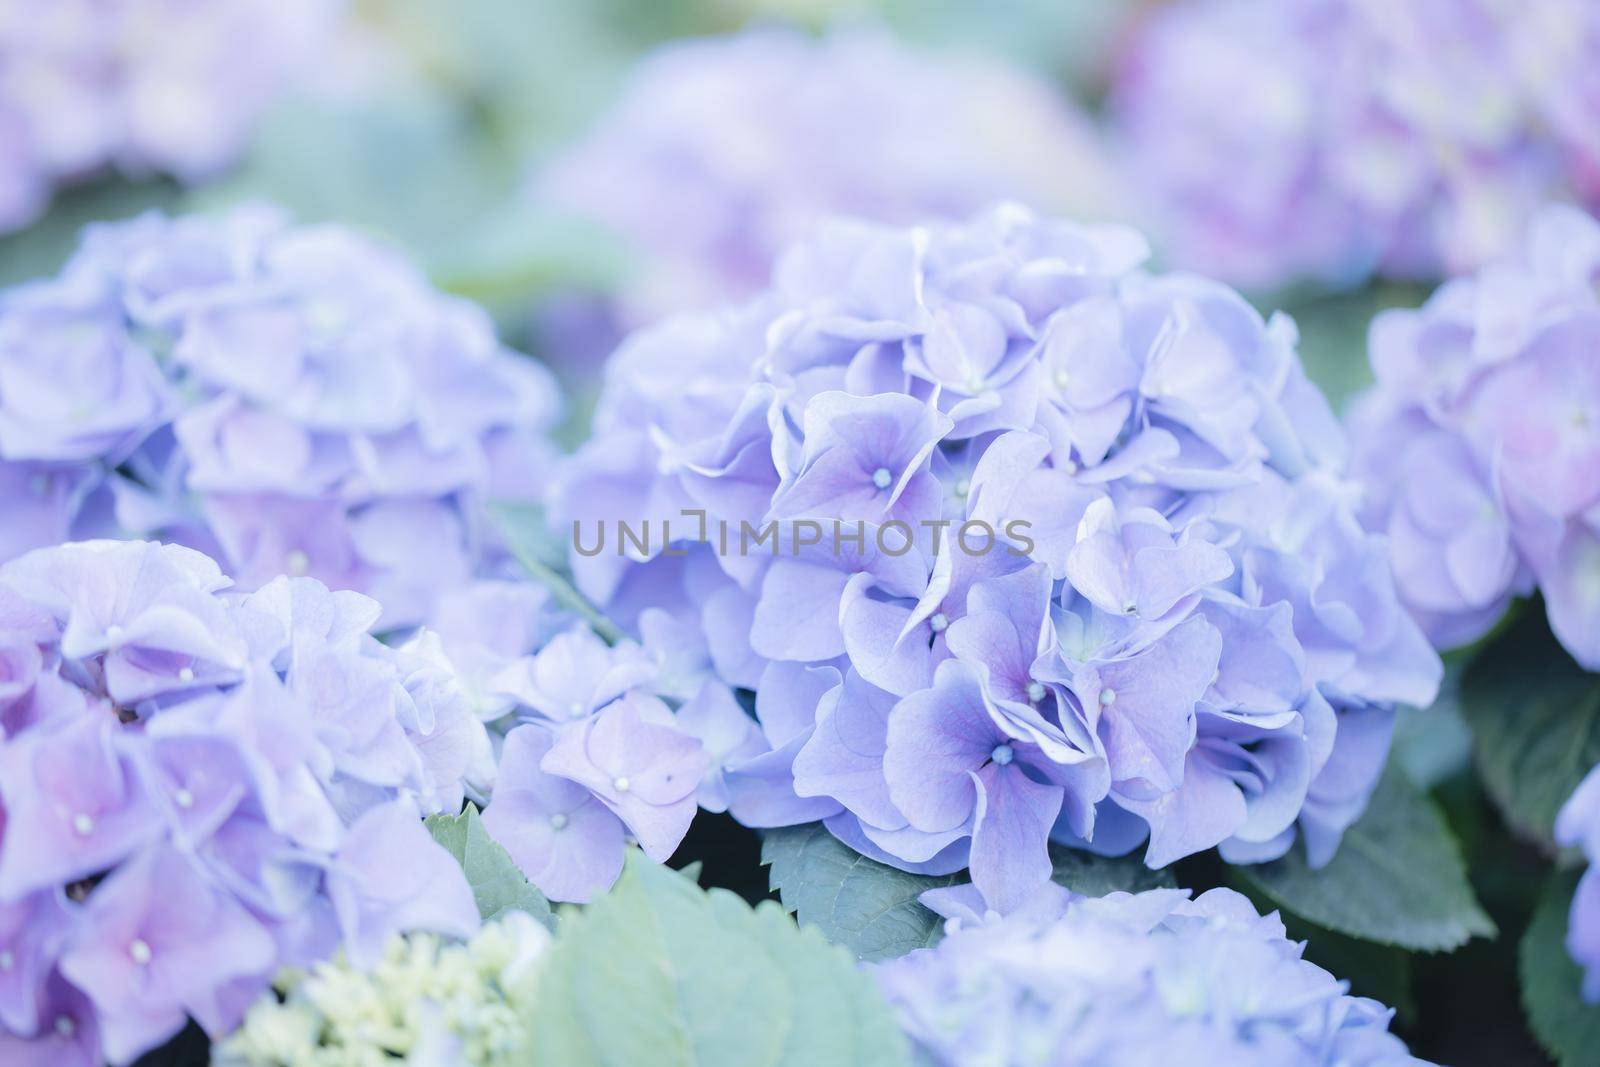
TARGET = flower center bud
(558,821)
(939,622)
(976,384)
(621,785)
(1062,378)
(297,564)
(1035,692)
(186,675)
(882,478)
(139,949)
(114,635)
(963,487)
(65,1026)
(7,960)
(1108,696)
(183,798)
(1002,754)
(82,825)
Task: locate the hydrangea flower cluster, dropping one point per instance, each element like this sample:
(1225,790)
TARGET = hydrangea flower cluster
(602,746)
(1131,979)
(199,787)
(1479,447)
(423,1002)
(594,756)
(145,86)
(1333,138)
(1578,826)
(289,400)
(1014,543)
(722,151)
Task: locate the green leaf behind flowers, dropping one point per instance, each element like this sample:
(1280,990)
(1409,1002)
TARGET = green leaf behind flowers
(540,553)
(1397,879)
(872,909)
(1567,1026)
(658,972)
(497,882)
(1535,719)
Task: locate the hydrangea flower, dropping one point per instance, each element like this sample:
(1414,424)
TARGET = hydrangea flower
(722,151)
(1578,826)
(1130,979)
(594,759)
(289,400)
(599,746)
(199,787)
(1479,447)
(1014,542)
(141,85)
(424,1001)
(1330,139)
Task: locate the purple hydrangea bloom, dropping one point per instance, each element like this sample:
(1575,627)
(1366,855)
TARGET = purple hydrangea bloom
(573,718)
(1129,979)
(594,759)
(1578,826)
(1479,447)
(722,151)
(1333,138)
(199,787)
(289,400)
(140,85)
(1014,542)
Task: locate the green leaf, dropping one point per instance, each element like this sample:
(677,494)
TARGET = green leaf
(530,540)
(408,165)
(1434,744)
(658,972)
(872,909)
(1333,333)
(537,72)
(521,249)
(1535,719)
(528,532)
(497,883)
(867,906)
(41,249)
(1567,1026)
(1095,876)
(1381,972)
(1397,879)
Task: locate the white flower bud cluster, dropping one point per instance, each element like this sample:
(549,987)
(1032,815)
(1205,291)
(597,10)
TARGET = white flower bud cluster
(426,1003)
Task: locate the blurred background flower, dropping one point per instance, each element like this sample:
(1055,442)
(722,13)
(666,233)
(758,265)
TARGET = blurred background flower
(145,87)
(1479,448)
(721,151)
(1334,139)
(291,400)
